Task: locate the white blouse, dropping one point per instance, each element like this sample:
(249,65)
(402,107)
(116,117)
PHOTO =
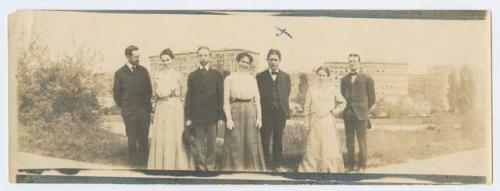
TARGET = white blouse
(167,84)
(240,85)
(324,100)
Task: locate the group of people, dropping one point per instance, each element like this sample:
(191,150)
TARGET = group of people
(241,112)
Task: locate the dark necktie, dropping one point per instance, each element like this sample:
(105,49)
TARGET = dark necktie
(134,68)
(274,73)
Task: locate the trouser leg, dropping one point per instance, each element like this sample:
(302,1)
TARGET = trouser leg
(200,146)
(361,136)
(279,126)
(131,131)
(265,133)
(350,137)
(211,133)
(142,137)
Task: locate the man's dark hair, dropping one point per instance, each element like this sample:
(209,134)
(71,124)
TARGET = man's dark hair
(274,51)
(130,49)
(355,55)
(203,48)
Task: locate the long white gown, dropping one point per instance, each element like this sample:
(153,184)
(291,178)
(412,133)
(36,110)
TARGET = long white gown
(323,150)
(166,149)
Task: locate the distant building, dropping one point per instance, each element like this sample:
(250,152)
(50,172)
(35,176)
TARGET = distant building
(417,84)
(223,60)
(391,79)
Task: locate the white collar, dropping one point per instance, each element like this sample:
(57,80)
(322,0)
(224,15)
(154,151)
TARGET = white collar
(130,66)
(271,71)
(207,67)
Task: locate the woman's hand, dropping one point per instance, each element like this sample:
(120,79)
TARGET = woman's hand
(259,123)
(230,124)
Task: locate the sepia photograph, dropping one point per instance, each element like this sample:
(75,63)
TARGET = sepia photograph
(250,97)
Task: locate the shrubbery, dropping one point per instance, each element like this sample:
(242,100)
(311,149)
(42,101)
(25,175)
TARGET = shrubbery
(58,106)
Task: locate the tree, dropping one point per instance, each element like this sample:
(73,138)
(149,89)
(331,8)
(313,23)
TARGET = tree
(465,93)
(57,99)
(303,87)
(453,92)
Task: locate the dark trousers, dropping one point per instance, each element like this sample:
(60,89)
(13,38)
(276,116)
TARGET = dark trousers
(137,127)
(204,144)
(355,129)
(273,123)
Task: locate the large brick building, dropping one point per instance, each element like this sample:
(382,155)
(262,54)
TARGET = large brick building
(223,60)
(391,79)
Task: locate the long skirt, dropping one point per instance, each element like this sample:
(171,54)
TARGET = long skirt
(323,150)
(242,144)
(166,149)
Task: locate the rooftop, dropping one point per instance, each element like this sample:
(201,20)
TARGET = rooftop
(369,63)
(220,50)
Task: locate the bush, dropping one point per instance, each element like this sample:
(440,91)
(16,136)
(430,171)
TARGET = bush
(58,107)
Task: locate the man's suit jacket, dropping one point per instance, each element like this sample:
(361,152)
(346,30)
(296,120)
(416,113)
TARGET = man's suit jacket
(359,95)
(132,90)
(265,84)
(204,98)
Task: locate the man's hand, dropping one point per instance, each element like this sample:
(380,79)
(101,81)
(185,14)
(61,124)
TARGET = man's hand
(230,124)
(188,123)
(220,123)
(259,123)
(219,141)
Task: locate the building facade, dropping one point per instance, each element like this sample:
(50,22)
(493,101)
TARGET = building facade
(417,84)
(391,79)
(223,60)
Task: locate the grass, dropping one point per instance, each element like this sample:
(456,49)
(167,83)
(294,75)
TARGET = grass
(96,146)
(384,147)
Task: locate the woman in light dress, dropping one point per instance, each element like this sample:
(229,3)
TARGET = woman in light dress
(166,149)
(323,149)
(242,142)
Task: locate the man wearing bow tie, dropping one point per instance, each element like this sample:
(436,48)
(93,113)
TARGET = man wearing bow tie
(203,110)
(359,92)
(274,89)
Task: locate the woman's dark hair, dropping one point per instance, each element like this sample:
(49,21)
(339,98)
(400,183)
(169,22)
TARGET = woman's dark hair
(274,51)
(322,68)
(167,52)
(130,49)
(243,55)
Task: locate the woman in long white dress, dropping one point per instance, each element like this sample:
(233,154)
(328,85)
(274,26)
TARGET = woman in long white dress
(166,149)
(323,149)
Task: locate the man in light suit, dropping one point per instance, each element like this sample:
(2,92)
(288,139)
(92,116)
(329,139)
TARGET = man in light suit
(132,93)
(359,92)
(274,89)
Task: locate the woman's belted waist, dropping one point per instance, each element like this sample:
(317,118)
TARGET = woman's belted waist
(166,98)
(240,100)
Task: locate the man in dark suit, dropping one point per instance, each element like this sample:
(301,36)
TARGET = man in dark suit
(203,110)
(274,89)
(132,93)
(359,91)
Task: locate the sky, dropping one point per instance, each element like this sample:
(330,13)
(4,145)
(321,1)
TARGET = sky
(419,43)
